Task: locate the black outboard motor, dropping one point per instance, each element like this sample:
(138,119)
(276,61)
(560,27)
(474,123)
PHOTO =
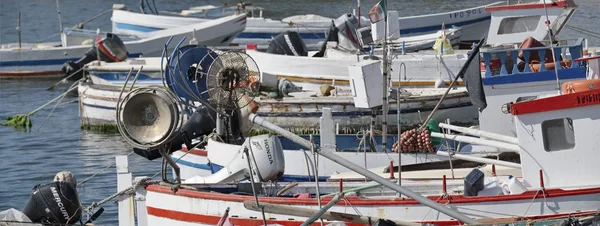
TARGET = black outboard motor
(332,36)
(202,122)
(288,43)
(111,49)
(54,203)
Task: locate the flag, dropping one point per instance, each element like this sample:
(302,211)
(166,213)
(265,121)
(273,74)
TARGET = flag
(471,75)
(377,13)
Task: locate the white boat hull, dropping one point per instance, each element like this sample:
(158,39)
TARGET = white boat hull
(41,60)
(412,70)
(188,207)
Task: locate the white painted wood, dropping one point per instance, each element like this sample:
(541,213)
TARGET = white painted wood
(480,133)
(327,133)
(141,213)
(125,202)
(473,140)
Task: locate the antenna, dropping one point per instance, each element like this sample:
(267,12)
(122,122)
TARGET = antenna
(556,64)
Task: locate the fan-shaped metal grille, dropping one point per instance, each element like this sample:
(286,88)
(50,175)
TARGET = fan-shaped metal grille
(231,77)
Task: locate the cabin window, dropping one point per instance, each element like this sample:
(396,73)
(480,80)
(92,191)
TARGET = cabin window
(518,24)
(558,134)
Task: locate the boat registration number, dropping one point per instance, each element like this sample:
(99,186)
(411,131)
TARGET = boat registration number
(587,99)
(466,13)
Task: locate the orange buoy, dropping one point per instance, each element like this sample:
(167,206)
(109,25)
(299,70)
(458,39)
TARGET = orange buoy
(580,86)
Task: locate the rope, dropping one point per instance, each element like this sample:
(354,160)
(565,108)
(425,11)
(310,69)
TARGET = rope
(80,25)
(96,174)
(440,198)
(64,79)
(144,181)
(56,98)
(46,38)
(585,32)
(531,203)
(56,105)
(291,23)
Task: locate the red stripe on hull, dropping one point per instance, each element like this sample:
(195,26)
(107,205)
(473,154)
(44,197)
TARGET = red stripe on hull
(527,6)
(565,101)
(31,74)
(208,219)
(195,151)
(356,201)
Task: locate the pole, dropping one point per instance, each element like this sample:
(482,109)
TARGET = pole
(462,71)
(324,209)
(98,43)
(556,64)
(19,29)
(59,19)
(358,13)
(350,165)
(480,133)
(385,81)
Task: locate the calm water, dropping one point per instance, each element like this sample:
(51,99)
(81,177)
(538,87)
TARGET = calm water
(56,143)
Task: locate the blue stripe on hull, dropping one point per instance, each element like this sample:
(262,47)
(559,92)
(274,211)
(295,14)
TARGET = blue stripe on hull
(191,164)
(269,35)
(248,35)
(439,27)
(139,28)
(99,106)
(357,112)
(572,73)
(57,62)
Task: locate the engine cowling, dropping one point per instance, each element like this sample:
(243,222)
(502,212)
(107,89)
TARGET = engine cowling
(111,49)
(55,203)
(266,159)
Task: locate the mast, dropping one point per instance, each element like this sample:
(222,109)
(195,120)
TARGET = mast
(385,81)
(550,33)
(60,25)
(358,12)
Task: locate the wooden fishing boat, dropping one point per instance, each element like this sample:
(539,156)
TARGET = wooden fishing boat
(35,60)
(420,69)
(556,142)
(312,28)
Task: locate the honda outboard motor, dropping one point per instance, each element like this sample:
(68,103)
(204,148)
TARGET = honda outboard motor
(266,160)
(288,43)
(110,48)
(54,203)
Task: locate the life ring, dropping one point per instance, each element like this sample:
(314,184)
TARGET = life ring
(580,86)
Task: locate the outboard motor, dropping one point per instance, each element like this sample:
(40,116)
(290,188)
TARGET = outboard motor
(288,43)
(332,36)
(54,203)
(347,25)
(110,48)
(266,158)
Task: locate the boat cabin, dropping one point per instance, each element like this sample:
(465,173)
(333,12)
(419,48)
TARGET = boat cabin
(508,77)
(558,139)
(512,23)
